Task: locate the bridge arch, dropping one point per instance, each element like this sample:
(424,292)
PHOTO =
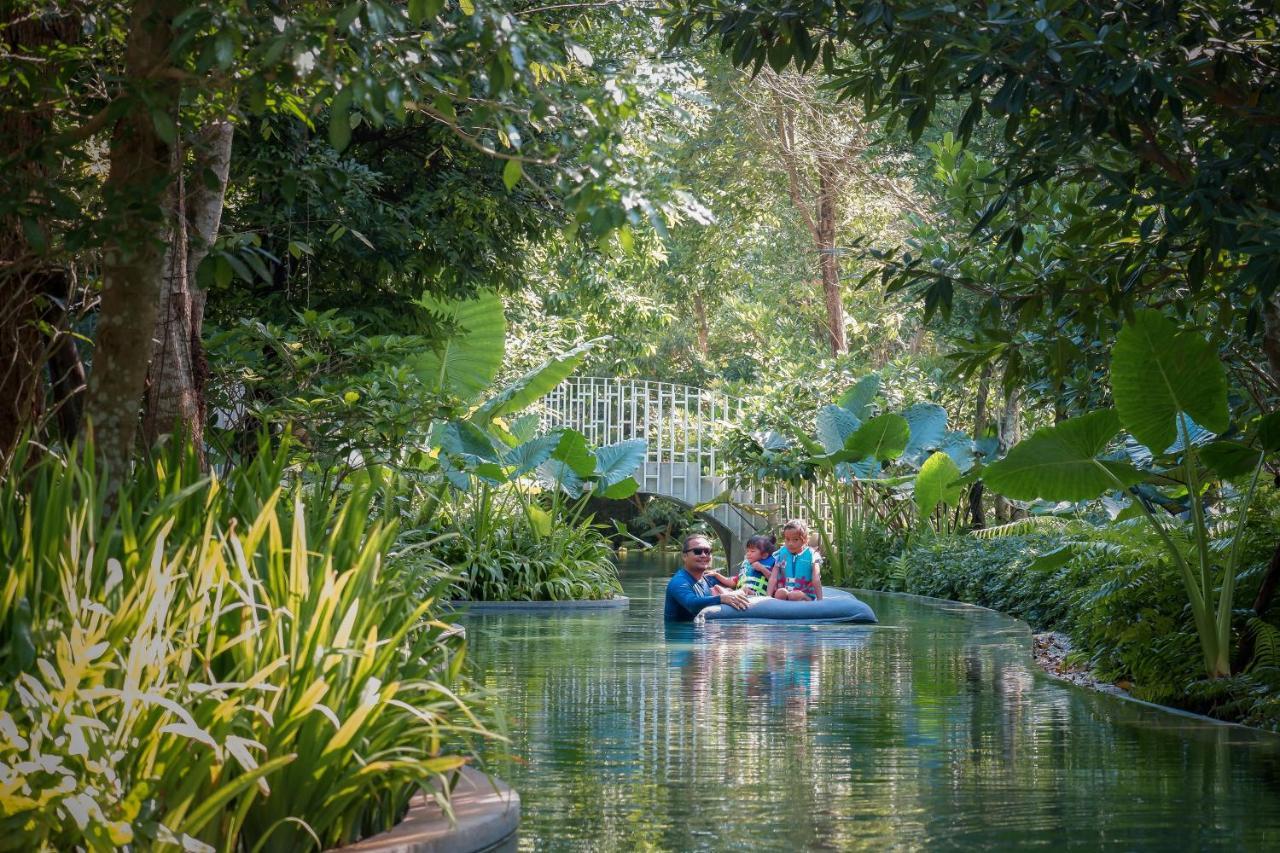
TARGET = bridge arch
(682,425)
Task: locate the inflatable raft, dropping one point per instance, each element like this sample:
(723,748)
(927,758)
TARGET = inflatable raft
(836,606)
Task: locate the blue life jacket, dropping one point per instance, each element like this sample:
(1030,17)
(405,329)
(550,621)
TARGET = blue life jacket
(798,569)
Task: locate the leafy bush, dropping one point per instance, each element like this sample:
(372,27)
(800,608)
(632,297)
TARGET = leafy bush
(1112,590)
(510,563)
(211,663)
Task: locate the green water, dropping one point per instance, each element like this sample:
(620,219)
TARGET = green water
(932,730)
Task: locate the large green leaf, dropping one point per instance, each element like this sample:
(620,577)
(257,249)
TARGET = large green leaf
(1229,459)
(617,462)
(1269,432)
(469,358)
(560,474)
(1060,463)
(883,437)
(835,425)
(535,384)
(1158,372)
(573,450)
(936,483)
(858,398)
(527,456)
(624,488)
(959,446)
(465,440)
(928,422)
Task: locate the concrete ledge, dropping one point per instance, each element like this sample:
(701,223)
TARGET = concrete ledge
(486,812)
(616,603)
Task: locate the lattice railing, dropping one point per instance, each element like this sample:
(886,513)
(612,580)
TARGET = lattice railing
(682,424)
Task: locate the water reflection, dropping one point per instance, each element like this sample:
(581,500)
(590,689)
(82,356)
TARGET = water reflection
(931,730)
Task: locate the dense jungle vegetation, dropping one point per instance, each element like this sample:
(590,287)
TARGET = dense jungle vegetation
(283,285)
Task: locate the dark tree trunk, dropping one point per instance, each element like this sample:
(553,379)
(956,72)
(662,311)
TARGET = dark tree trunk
(1009,430)
(133,264)
(977,515)
(24,270)
(178,375)
(1271,334)
(825,237)
(700,316)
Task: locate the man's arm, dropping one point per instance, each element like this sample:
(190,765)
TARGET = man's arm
(686,597)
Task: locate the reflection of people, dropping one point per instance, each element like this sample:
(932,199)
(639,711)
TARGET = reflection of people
(688,592)
(798,576)
(756,571)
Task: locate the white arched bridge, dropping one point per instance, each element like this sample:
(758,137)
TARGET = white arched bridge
(683,426)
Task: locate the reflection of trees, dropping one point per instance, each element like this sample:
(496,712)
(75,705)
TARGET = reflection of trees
(929,729)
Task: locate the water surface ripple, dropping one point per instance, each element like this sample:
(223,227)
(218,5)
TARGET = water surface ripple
(933,730)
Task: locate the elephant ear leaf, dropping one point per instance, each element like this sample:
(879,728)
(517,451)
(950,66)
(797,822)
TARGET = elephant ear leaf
(617,462)
(883,437)
(468,358)
(527,456)
(1061,463)
(535,384)
(572,450)
(624,488)
(928,423)
(858,398)
(1159,373)
(936,483)
(1229,460)
(835,425)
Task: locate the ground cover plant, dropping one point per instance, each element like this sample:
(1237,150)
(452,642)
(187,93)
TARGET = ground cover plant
(218,664)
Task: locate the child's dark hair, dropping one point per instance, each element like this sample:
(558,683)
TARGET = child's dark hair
(762,544)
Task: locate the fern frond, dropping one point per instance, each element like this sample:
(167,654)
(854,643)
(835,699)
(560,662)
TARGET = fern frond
(1266,644)
(1030,524)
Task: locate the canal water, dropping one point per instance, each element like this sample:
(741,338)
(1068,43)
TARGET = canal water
(932,730)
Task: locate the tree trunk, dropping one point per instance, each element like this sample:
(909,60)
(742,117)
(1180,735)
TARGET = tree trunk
(133,263)
(170,398)
(825,237)
(1271,334)
(700,316)
(1009,430)
(977,516)
(24,274)
(179,372)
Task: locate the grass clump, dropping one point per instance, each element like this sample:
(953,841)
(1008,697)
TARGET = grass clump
(215,664)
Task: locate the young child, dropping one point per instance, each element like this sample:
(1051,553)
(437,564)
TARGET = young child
(797,576)
(756,573)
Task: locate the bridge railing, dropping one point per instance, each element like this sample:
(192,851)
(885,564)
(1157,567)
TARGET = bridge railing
(682,424)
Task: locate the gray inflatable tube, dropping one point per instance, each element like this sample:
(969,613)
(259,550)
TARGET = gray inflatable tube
(836,606)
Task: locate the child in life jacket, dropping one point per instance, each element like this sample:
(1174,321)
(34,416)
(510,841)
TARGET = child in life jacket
(797,576)
(756,572)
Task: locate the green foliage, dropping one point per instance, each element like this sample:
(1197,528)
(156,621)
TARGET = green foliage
(1159,374)
(1118,118)
(934,484)
(1161,378)
(511,562)
(466,361)
(1111,590)
(213,662)
(1061,462)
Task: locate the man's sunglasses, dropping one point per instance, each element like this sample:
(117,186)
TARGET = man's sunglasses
(698,552)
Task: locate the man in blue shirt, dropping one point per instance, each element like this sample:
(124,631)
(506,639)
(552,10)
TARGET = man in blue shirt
(688,592)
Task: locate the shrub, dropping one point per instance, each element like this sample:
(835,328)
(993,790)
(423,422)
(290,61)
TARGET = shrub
(211,663)
(511,563)
(1111,589)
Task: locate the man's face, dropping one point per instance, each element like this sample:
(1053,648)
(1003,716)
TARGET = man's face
(697,555)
